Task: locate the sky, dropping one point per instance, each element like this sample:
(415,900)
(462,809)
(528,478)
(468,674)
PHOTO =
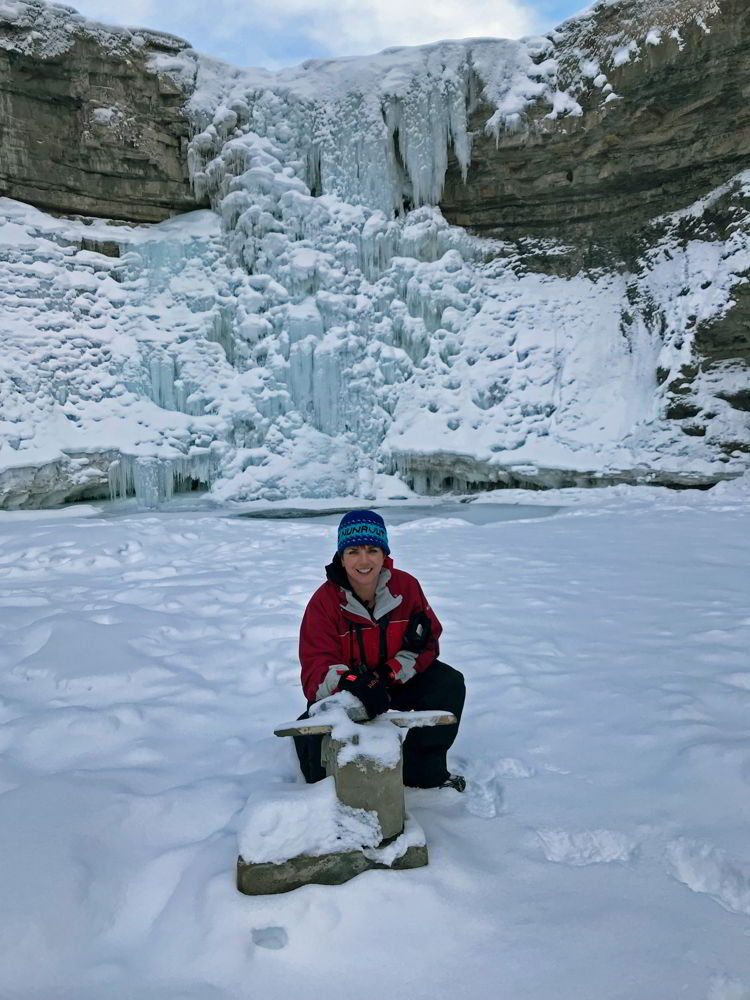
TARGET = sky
(275,33)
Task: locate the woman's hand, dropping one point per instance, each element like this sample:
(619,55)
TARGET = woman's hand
(418,632)
(370,689)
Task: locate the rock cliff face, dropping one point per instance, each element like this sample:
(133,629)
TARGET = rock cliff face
(676,125)
(88,125)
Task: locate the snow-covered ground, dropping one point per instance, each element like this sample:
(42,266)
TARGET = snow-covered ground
(600,852)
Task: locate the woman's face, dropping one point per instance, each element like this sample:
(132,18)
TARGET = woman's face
(363,564)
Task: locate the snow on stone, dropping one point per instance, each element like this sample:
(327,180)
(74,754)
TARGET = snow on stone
(282,823)
(624,54)
(49,29)
(105,116)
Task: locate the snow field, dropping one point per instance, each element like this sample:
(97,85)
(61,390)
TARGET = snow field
(600,851)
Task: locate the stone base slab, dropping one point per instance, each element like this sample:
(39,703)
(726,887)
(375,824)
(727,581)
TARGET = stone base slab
(267,878)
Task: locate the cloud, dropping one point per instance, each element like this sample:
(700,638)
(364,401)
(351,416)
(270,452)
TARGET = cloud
(367,27)
(275,32)
(135,13)
(348,27)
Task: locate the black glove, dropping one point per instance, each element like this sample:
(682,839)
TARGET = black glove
(385,673)
(370,690)
(417,633)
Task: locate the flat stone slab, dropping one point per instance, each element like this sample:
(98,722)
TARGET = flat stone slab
(317,725)
(268,878)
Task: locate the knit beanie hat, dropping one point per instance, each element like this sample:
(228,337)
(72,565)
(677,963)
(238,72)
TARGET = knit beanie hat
(362,527)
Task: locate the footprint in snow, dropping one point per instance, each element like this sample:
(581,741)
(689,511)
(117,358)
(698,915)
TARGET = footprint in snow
(512,767)
(586,847)
(707,869)
(484,796)
(484,792)
(273,938)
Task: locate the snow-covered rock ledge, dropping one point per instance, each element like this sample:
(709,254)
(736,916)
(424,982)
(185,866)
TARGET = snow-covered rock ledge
(436,473)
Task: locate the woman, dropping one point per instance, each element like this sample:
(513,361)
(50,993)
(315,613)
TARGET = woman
(369,630)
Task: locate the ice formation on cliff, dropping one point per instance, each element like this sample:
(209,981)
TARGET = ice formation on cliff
(327,329)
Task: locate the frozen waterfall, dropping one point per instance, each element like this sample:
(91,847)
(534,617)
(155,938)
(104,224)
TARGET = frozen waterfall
(326,332)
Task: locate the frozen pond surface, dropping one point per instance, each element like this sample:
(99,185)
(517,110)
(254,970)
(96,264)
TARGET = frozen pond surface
(600,851)
(474,512)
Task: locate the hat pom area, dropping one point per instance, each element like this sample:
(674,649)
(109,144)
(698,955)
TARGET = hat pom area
(362,527)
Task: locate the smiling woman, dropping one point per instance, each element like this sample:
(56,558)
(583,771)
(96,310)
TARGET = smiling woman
(362,565)
(370,631)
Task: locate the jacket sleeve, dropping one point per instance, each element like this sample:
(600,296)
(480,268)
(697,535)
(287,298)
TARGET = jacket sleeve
(405,664)
(320,647)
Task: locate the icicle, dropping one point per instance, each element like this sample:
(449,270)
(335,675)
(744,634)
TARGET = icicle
(185,473)
(163,375)
(154,480)
(119,475)
(222,332)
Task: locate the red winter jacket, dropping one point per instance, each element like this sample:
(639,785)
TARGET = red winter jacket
(337,629)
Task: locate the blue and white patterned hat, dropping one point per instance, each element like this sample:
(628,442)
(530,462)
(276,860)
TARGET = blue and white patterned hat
(362,527)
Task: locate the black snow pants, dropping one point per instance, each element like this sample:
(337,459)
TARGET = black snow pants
(438,687)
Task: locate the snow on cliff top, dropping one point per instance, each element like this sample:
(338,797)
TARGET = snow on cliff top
(607,33)
(49,29)
(554,67)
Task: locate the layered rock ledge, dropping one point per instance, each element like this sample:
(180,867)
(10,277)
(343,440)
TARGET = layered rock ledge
(662,118)
(89,123)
